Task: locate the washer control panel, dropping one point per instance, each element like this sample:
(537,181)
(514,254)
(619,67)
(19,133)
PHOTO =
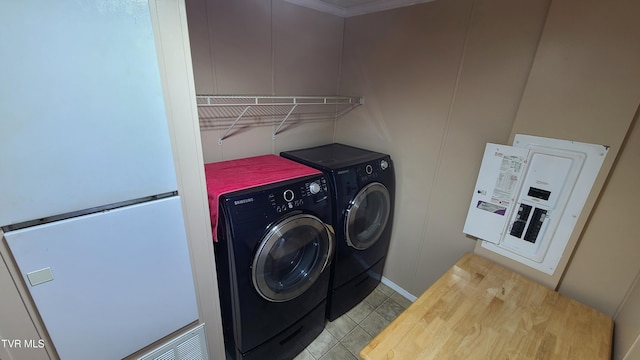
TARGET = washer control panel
(299,194)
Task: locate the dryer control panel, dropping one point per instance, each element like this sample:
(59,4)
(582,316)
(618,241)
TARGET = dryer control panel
(372,170)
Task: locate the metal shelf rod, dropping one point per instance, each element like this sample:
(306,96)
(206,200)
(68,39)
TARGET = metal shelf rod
(300,100)
(232,125)
(273,136)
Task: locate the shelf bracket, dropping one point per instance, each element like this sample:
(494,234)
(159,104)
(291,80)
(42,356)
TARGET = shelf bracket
(232,125)
(282,122)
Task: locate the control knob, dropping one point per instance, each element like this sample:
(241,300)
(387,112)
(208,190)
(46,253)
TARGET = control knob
(384,164)
(288,195)
(314,188)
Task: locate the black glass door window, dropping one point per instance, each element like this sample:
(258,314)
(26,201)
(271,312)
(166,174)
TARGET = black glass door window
(367,216)
(291,256)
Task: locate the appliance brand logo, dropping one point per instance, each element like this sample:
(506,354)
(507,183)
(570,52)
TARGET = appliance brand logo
(243,201)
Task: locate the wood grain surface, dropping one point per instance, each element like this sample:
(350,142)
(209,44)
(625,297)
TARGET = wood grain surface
(480,310)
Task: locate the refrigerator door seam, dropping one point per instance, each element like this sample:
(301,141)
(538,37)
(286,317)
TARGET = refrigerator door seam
(93,210)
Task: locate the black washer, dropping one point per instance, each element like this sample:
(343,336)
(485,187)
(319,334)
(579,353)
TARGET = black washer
(273,260)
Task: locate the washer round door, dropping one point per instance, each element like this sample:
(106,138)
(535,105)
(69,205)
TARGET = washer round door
(367,216)
(291,257)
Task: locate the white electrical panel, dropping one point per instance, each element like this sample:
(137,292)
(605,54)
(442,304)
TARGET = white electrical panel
(528,197)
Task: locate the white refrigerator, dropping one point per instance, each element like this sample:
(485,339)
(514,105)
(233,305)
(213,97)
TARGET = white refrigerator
(88,195)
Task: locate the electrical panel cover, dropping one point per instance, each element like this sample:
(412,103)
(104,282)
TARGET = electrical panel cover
(528,197)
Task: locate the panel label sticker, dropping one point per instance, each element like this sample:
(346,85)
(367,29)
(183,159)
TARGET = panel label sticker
(492,208)
(510,170)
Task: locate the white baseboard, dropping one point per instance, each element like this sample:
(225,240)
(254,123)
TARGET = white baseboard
(398,289)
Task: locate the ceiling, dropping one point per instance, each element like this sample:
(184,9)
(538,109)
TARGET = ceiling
(347,8)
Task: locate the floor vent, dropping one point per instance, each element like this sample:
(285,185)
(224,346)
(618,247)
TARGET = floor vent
(191,345)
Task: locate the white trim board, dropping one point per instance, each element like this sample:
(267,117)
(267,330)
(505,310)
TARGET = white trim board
(355,10)
(407,295)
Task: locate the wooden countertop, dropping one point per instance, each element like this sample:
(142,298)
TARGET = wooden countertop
(480,310)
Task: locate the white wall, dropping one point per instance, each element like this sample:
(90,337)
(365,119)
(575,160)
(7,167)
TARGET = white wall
(242,47)
(606,265)
(440,80)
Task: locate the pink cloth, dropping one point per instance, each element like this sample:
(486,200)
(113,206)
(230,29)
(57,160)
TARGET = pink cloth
(233,175)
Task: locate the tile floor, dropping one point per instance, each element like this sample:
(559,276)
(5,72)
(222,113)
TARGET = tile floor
(343,338)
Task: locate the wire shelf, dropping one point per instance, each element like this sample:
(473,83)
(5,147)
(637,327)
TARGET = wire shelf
(229,111)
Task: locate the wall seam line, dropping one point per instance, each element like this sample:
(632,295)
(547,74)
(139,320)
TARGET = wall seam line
(436,174)
(636,282)
(335,116)
(214,81)
(214,77)
(636,342)
(273,76)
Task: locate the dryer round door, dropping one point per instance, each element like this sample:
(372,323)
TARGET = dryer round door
(291,257)
(367,216)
